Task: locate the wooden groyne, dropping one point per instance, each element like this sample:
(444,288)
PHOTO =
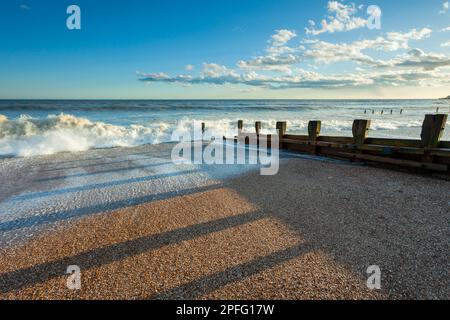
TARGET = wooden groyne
(428,153)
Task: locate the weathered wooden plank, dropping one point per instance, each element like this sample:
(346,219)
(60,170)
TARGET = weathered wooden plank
(394,142)
(331,144)
(281,128)
(383,150)
(440,152)
(360,131)
(390,150)
(258,127)
(399,162)
(302,148)
(296,137)
(314,130)
(294,141)
(281,131)
(444,144)
(240,125)
(433,129)
(335,139)
(313,134)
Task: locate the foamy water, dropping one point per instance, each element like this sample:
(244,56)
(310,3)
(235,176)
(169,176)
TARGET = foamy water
(29,128)
(42,192)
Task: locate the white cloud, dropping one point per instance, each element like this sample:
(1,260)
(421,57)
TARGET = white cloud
(445,44)
(308,79)
(215,70)
(411,78)
(270,62)
(156,76)
(416,67)
(414,34)
(301,80)
(445,7)
(446,29)
(279,56)
(326,52)
(341,18)
(420,60)
(189,67)
(281,37)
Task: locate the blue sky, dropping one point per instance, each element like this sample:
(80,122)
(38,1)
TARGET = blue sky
(224,49)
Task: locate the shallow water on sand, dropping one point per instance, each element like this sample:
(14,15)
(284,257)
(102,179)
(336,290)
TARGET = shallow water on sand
(42,191)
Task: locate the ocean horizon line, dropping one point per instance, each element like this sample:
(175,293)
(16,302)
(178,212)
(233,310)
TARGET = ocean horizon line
(262,99)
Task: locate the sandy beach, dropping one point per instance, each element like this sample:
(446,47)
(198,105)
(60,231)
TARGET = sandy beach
(140,227)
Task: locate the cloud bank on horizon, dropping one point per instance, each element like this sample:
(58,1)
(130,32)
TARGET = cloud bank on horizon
(294,60)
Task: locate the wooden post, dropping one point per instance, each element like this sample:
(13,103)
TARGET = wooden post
(258,130)
(313,133)
(240,125)
(281,128)
(314,130)
(281,131)
(433,129)
(360,131)
(258,127)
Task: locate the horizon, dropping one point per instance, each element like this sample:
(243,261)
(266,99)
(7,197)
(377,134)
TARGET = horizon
(219,99)
(203,50)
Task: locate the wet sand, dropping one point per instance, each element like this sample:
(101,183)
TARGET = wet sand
(140,228)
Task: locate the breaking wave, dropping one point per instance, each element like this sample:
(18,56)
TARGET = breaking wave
(28,136)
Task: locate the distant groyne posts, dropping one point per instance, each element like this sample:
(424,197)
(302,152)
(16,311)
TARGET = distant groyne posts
(391,111)
(429,153)
(437,110)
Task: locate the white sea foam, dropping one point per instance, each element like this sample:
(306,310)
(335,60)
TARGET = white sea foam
(27,136)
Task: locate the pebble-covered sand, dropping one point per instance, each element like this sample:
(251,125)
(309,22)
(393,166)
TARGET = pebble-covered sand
(309,232)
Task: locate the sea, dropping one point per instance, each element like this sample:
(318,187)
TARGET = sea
(41,127)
